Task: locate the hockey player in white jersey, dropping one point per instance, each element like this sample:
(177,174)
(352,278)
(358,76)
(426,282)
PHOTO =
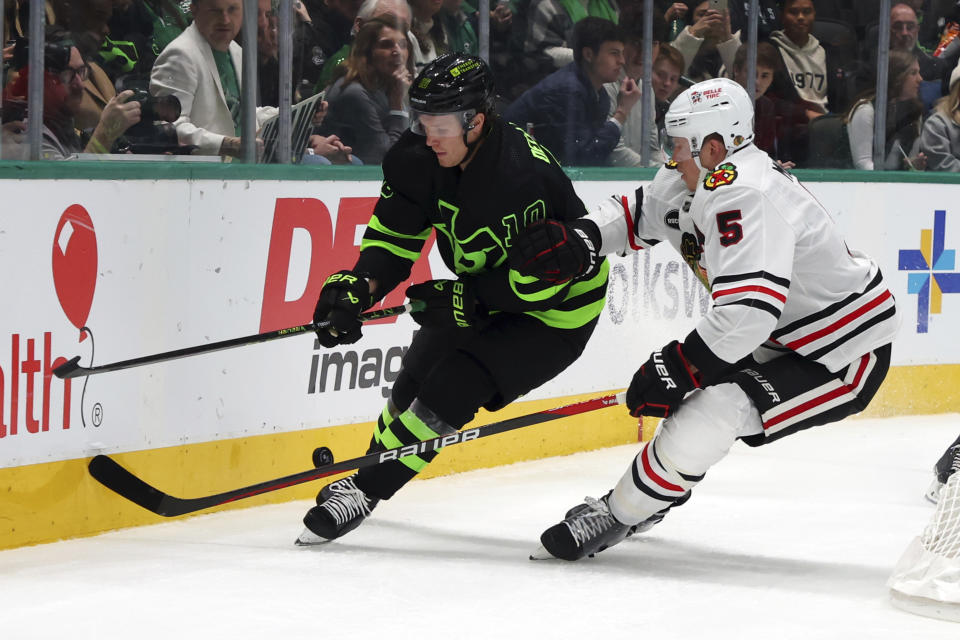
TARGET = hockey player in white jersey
(798,335)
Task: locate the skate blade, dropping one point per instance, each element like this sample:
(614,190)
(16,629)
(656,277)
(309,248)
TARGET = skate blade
(541,553)
(309,539)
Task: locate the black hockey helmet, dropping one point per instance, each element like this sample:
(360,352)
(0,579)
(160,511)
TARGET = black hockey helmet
(453,82)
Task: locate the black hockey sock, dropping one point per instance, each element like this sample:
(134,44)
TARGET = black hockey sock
(413,425)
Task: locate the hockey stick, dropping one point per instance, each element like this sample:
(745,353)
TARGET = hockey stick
(113,476)
(72,369)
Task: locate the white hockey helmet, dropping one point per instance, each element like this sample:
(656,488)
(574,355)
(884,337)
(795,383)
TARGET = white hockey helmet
(720,106)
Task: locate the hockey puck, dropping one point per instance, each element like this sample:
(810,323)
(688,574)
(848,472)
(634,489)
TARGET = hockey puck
(322,456)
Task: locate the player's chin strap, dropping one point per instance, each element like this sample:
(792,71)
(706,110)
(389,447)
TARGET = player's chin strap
(487,125)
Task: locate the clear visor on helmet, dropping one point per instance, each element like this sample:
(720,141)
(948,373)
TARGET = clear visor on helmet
(677,149)
(442,125)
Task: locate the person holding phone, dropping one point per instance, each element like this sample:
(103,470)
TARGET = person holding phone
(707,44)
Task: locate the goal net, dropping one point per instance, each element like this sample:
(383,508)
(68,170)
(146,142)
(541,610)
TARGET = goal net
(926,580)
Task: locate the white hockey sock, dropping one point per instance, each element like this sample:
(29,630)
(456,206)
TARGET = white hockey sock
(650,484)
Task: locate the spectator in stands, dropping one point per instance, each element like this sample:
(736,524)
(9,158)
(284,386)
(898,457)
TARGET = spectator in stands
(16,17)
(707,44)
(124,40)
(8,32)
(88,27)
(803,57)
(940,140)
(428,38)
(569,108)
(457,19)
(904,28)
(268,55)
(64,73)
(367,105)
(629,151)
(398,9)
(14,143)
(933,15)
(779,125)
(904,117)
(667,69)
(768,16)
(672,11)
(169,19)
(313,39)
(202,68)
(332,24)
(550,25)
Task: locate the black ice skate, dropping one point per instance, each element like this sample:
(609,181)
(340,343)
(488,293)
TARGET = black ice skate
(947,465)
(341,507)
(647,524)
(588,529)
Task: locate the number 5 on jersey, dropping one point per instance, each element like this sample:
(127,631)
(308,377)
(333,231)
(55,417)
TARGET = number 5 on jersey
(730,230)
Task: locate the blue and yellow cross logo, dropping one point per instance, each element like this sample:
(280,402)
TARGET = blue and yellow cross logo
(933,266)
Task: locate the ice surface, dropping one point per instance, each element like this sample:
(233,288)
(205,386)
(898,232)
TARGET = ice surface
(792,540)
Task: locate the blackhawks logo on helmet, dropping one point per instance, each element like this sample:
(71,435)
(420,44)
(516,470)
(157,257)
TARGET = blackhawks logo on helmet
(726,173)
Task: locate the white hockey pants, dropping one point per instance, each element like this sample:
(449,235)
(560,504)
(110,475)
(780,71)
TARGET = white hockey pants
(688,443)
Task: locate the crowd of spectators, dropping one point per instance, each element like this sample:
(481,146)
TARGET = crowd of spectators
(165,76)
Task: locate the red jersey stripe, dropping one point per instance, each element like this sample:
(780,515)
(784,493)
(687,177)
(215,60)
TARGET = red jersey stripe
(757,288)
(845,320)
(830,395)
(626,212)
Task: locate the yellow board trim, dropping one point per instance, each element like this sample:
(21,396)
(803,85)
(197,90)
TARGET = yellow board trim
(58,500)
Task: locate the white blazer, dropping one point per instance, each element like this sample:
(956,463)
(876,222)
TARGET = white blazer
(187,70)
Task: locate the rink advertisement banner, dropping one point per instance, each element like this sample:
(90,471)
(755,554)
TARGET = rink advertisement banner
(117,270)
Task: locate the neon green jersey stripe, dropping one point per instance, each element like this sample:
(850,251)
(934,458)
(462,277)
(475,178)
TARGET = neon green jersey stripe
(535,296)
(586,285)
(376,225)
(581,315)
(392,248)
(417,427)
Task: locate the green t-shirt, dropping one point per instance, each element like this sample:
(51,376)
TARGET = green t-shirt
(330,67)
(231,88)
(169,20)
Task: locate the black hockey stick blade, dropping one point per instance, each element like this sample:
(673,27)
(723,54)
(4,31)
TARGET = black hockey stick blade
(72,368)
(115,477)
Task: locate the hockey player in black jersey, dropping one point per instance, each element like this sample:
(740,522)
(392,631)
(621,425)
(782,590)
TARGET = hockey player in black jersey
(799,333)
(488,336)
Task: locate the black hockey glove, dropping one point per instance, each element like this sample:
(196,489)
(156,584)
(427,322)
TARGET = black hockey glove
(449,303)
(556,251)
(661,383)
(343,296)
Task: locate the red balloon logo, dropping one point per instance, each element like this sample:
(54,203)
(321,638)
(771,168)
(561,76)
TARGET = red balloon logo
(75,264)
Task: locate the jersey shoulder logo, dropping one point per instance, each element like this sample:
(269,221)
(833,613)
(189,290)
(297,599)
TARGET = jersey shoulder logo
(670,164)
(672,219)
(725,174)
